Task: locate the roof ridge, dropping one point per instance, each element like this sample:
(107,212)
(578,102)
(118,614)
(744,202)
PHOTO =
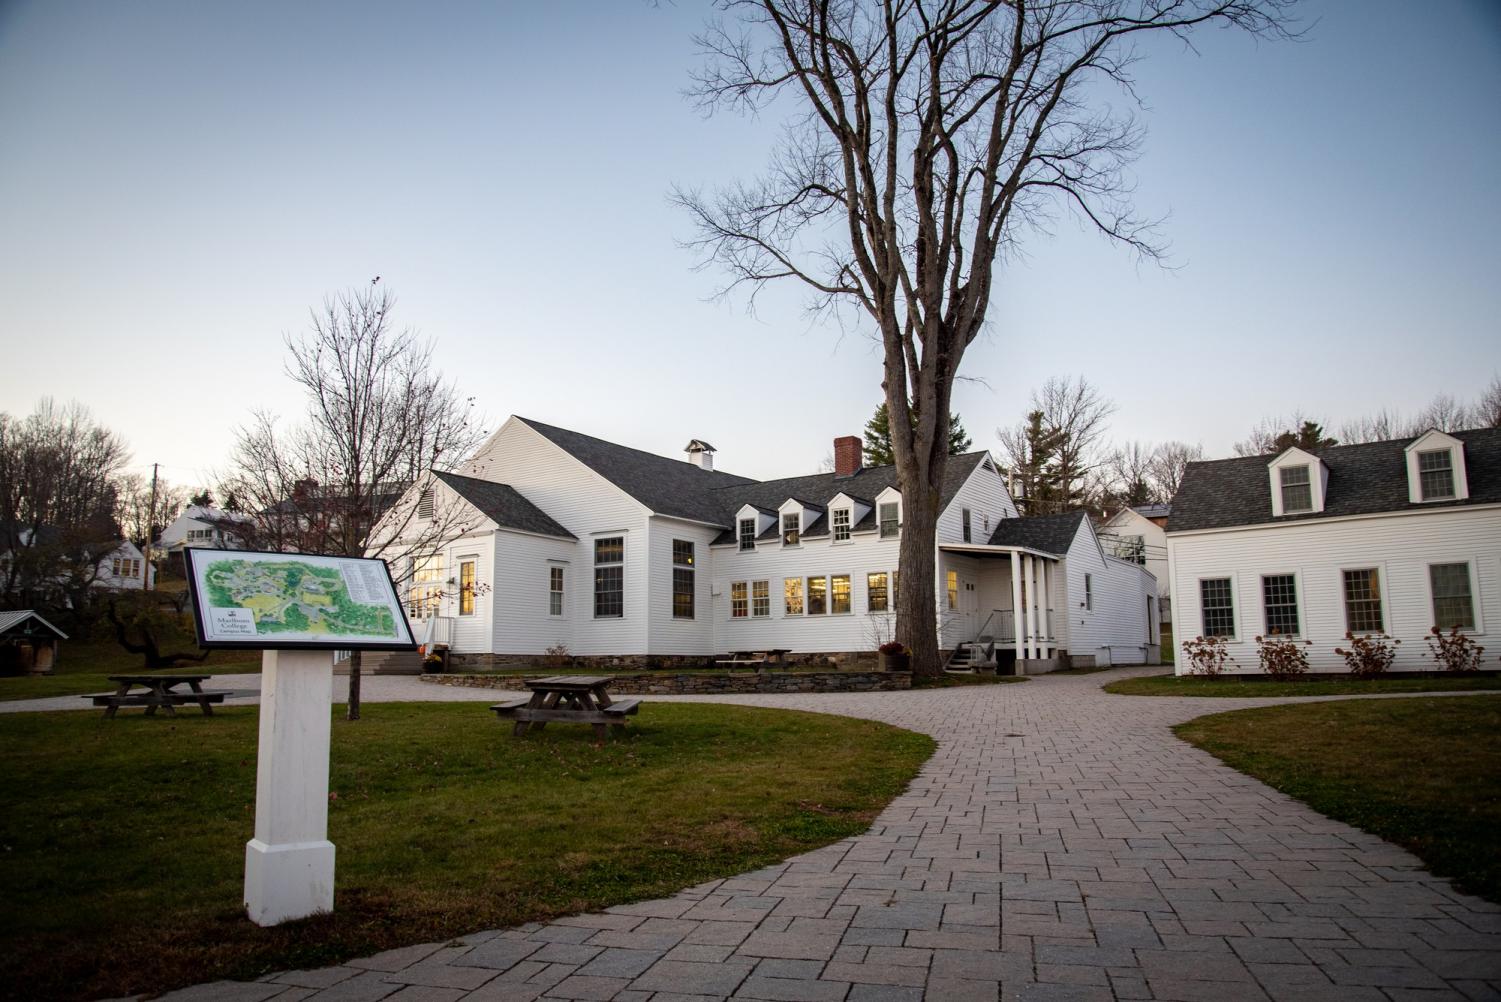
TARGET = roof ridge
(631,448)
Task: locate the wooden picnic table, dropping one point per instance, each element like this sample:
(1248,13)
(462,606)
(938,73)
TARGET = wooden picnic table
(579,699)
(160,692)
(755,659)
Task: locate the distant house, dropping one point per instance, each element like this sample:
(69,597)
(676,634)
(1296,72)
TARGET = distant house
(1388,538)
(202,526)
(624,556)
(1139,534)
(125,569)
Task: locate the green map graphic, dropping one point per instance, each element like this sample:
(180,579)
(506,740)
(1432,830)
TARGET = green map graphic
(289,596)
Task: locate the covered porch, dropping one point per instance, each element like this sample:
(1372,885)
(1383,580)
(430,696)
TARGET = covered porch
(1006,595)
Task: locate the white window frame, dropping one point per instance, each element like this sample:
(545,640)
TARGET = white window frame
(468,558)
(896,521)
(848,527)
(1283,485)
(1477,607)
(692,568)
(966,525)
(802,597)
(1235,609)
(808,594)
(1453,474)
(766,583)
(1297,576)
(594,568)
(797,527)
(744,587)
(1088,592)
(744,543)
(850,591)
(887,587)
(1386,598)
(562,568)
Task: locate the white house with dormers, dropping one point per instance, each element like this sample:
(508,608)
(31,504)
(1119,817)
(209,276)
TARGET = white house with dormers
(1386,538)
(566,540)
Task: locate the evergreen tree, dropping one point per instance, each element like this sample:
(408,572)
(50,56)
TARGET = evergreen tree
(1034,466)
(877,446)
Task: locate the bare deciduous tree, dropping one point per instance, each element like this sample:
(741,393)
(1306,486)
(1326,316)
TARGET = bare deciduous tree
(925,136)
(1169,460)
(380,419)
(142,517)
(1128,473)
(1488,407)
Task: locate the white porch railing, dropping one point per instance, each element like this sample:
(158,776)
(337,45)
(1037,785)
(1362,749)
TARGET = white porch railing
(1002,626)
(435,631)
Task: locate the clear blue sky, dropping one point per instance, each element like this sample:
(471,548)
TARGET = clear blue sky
(179,182)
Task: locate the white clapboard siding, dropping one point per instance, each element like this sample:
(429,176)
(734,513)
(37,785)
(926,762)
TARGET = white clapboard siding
(1316,552)
(669,635)
(984,494)
(1111,626)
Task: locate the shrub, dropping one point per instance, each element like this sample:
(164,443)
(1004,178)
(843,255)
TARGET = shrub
(1207,655)
(558,656)
(892,647)
(1455,651)
(1283,658)
(1368,655)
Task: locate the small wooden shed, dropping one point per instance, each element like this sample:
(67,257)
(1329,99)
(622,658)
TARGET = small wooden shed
(28,643)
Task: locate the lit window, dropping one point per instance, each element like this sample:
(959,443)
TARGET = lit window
(964,520)
(877,595)
(739,607)
(760,599)
(1453,605)
(1297,492)
(792,524)
(792,596)
(1279,599)
(841,525)
(609,577)
(1436,475)
(839,593)
(682,579)
(951,585)
(466,587)
(115,567)
(425,594)
(1217,607)
(747,534)
(1363,601)
(891,524)
(555,591)
(818,596)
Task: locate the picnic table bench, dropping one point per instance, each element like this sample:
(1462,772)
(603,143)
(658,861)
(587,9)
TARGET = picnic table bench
(578,699)
(756,659)
(158,691)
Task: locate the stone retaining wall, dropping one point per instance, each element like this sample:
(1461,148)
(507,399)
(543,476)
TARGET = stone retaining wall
(664,683)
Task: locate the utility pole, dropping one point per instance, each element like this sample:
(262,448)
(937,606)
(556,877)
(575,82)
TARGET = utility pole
(150,526)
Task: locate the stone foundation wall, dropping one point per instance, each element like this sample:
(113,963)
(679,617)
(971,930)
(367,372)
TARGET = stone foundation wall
(615,662)
(665,683)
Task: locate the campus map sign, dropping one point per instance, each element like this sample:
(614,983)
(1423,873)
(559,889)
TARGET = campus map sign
(272,601)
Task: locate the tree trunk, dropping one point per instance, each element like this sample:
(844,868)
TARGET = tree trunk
(354,686)
(916,604)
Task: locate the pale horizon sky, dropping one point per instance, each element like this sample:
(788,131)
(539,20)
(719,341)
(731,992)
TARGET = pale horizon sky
(180,182)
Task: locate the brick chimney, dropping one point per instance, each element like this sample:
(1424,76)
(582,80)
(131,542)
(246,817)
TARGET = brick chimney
(847,456)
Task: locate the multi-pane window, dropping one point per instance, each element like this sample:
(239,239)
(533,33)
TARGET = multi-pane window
(1297,491)
(1363,601)
(1279,599)
(951,586)
(747,534)
(555,591)
(839,593)
(889,515)
(609,577)
(841,524)
(739,604)
(682,579)
(760,599)
(964,523)
(1217,607)
(466,587)
(1436,474)
(818,596)
(1089,593)
(792,528)
(1452,603)
(877,596)
(425,594)
(792,596)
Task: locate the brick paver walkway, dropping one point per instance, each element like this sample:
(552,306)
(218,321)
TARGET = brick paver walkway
(1061,844)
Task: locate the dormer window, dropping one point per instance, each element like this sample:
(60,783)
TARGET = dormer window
(792,528)
(1436,475)
(841,525)
(1297,490)
(747,534)
(890,517)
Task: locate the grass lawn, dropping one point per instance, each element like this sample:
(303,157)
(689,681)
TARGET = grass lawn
(1423,773)
(1174,685)
(83,666)
(125,838)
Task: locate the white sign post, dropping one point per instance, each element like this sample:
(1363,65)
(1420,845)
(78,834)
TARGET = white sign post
(289,865)
(298,609)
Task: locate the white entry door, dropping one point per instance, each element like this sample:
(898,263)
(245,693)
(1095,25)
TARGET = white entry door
(969,606)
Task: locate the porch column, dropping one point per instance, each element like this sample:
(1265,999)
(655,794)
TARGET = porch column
(1017,616)
(1045,614)
(1034,640)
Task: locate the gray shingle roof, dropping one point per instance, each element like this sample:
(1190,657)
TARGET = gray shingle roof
(1153,510)
(1363,479)
(503,505)
(13,620)
(1048,533)
(666,486)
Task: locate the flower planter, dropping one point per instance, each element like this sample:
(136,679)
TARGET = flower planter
(896,662)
